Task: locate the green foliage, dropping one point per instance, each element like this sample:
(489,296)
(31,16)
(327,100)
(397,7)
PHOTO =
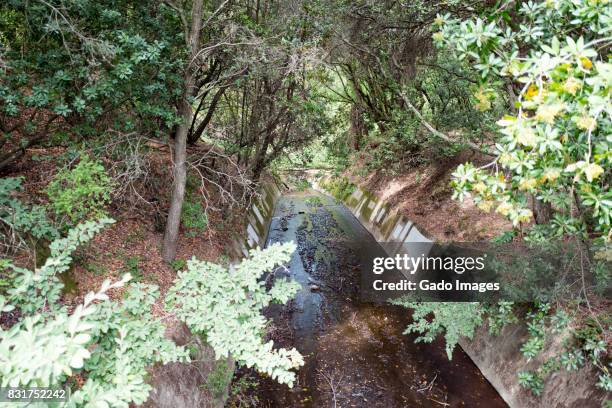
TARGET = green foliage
(131,266)
(219,379)
(552,145)
(499,315)
(504,238)
(128,339)
(454,320)
(110,344)
(531,381)
(536,328)
(58,50)
(581,345)
(82,192)
(225,306)
(193,217)
(35,291)
(178,264)
(242,393)
(557,146)
(95,268)
(602,274)
(313,201)
(605,382)
(21,218)
(302,185)
(339,187)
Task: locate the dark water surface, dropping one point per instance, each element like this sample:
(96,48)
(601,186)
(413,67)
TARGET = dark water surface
(356,354)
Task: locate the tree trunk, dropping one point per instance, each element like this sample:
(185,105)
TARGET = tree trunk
(542,211)
(196,134)
(356,128)
(179,170)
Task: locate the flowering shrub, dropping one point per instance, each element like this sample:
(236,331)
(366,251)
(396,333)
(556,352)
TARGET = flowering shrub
(556,145)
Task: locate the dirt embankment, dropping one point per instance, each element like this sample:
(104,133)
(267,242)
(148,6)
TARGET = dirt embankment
(424,196)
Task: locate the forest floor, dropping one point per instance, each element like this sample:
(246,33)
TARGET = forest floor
(132,244)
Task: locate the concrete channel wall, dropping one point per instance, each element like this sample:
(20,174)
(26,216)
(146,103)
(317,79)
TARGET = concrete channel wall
(498,357)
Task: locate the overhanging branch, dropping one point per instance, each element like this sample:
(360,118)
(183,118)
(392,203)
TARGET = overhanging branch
(439,134)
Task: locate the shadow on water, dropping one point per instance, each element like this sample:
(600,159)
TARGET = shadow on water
(356,354)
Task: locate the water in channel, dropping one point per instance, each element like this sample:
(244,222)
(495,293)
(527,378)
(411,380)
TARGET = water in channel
(356,354)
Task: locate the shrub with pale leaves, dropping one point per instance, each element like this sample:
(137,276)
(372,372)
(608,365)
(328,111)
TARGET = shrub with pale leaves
(225,306)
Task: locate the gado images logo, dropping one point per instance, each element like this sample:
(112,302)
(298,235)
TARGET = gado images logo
(463,272)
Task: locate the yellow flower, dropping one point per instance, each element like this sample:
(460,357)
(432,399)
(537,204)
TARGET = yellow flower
(572,85)
(528,184)
(438,36)
(480,187)
(586,122)
(504,208)
(586,63)
(551,174)
(439,20)
(527,137)
(532,91)
(547,113)
(524,215)
(505,158)
(485,205)
(592,171)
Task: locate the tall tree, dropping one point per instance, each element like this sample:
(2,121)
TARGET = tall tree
(179,171)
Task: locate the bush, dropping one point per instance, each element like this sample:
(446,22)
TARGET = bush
(107,343)
(225,307)
(21,218)
(554,143)
(454,320)
(193,217)
(219,379)
(302,185)
(81,193)
(340,187)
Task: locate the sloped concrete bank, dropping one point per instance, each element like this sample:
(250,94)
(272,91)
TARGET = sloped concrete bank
(183,385)
(498,357)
